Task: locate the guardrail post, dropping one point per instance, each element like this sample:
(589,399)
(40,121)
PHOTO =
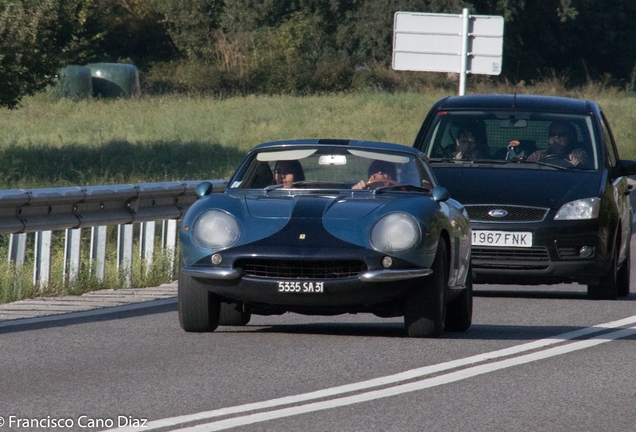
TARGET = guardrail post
(17,248)
(42,259)
(72,249)
(147,243)
(170,242)
(125,251)
(98,251)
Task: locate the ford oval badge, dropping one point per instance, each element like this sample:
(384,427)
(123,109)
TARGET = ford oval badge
(498,213)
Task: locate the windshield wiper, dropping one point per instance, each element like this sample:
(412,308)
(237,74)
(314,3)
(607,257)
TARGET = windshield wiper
(401,188)
(273,187)
(561,167)
(471,161)
(298,183)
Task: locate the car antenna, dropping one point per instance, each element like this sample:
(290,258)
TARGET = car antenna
(514,99)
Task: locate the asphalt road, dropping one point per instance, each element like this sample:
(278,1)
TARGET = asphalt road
(535,359)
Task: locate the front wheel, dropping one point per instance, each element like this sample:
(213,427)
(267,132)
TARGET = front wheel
(199,309)
(425,307)
(459,313)
(623,276)
(607,287)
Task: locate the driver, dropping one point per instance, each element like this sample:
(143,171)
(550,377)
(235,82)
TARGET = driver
(562,140)
(286,172)
(380,172)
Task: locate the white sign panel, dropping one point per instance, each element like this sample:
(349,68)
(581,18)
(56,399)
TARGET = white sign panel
(434,43)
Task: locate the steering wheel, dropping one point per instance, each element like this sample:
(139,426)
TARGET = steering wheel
(378,183)
(554,156)
(557,159)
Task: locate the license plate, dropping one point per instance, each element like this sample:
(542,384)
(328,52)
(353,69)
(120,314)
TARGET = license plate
(502,238)
(307,287)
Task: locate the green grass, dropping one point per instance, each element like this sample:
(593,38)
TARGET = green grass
(50,143)
(17,282)
(54,143)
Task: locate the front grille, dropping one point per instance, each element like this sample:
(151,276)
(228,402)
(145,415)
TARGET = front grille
(290,269)
(479,213)
(534,258)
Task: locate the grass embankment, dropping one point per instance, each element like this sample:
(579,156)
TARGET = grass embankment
(49,143)
(52,143)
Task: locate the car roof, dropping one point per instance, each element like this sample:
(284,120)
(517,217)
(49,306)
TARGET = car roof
(313,142)
(522,102)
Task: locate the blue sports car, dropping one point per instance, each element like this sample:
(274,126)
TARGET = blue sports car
(325,227)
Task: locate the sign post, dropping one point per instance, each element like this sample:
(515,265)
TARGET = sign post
(448,43)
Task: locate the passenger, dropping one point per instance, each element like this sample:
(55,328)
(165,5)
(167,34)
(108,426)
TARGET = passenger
(286,172)
(381,173)
(562,143)
(472,142)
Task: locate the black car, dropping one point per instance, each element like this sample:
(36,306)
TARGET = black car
(544,187)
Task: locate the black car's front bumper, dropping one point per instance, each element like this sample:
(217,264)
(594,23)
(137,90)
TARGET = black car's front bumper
(553,258)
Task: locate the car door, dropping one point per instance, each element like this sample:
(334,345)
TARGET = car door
(620,186)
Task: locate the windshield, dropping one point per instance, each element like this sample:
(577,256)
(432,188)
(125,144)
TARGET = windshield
(327,167)
(539,139)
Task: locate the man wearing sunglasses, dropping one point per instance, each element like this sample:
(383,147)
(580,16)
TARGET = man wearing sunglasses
(562,143)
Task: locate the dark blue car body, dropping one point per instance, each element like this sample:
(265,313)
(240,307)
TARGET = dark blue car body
(308,249)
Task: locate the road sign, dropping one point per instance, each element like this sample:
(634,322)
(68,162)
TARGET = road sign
(448,43)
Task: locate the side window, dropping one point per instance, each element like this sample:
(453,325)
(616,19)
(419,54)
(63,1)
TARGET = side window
(612,153)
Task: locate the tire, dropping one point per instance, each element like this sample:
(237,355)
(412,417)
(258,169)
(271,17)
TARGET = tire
(459,312)
(623,276)
(425,307)
(607,287)
(199,309)
(230,316)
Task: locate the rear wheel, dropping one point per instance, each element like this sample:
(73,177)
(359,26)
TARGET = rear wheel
(230,316)
(623,275)
(459,312)
(199,309)
(425,307)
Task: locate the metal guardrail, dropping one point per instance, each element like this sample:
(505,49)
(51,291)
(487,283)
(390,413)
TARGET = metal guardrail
(42,211)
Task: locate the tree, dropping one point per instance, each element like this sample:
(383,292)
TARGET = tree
(37,37)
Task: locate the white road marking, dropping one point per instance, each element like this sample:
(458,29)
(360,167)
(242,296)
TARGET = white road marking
(94,312)
(400,377)
(411,387)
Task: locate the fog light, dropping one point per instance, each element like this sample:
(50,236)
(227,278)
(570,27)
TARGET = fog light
(586,251)
(217,258)
(387,262)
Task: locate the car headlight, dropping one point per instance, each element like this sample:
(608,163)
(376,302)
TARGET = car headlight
(587,208)
(395,232)
(215,229)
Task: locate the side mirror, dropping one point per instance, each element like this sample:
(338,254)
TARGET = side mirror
(440,194)
(203,189)
(625,167)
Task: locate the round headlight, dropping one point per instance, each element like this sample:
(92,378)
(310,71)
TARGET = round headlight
(395,232)
(215,229)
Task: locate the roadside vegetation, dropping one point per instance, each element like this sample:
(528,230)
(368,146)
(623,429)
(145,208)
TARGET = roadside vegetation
(51,143)
(16,282)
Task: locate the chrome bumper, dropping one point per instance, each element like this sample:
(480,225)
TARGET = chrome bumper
(369,276)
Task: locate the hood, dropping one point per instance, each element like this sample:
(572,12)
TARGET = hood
(471,184)
(314,207)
